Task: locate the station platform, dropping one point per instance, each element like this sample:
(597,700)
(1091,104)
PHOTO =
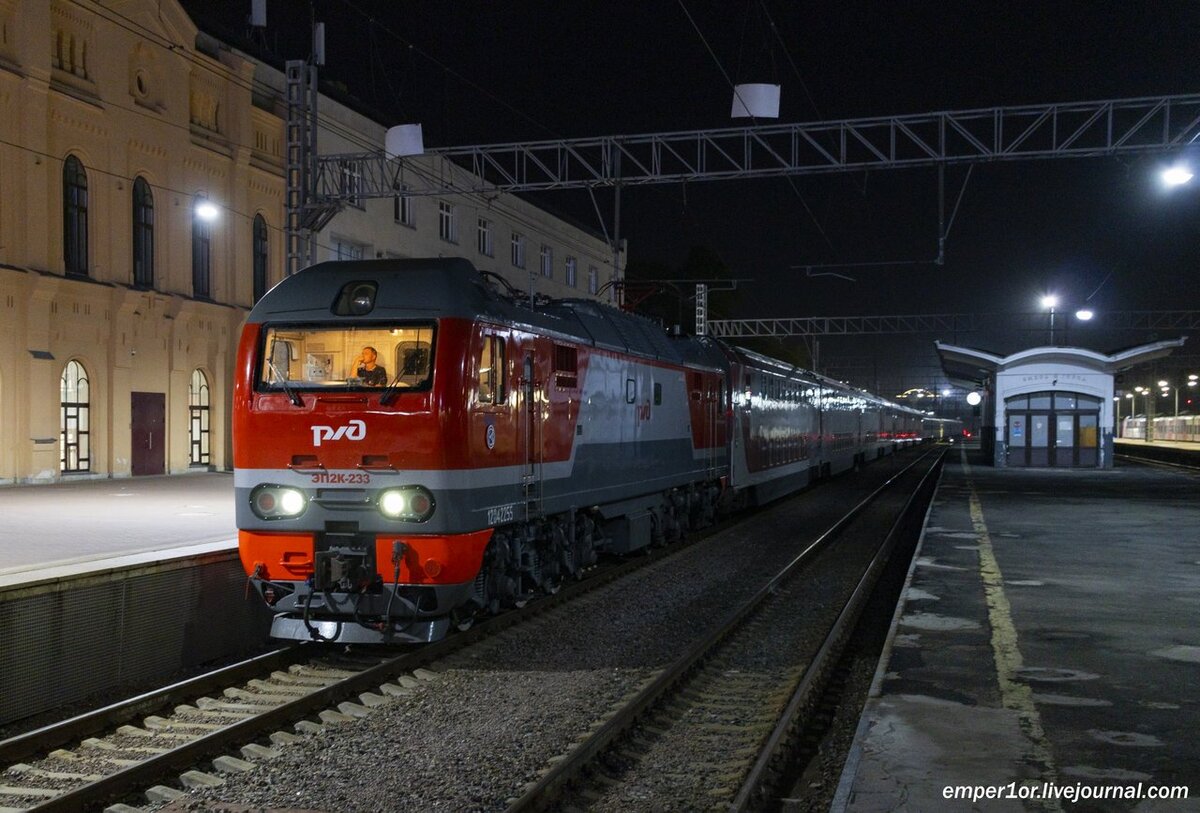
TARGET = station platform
(1046,650)
(75,524)
(109,585)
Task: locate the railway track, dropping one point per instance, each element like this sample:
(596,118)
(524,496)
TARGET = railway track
(225,721)
(716,729)
(204,732)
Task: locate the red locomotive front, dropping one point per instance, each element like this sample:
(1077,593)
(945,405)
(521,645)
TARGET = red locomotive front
(412,446)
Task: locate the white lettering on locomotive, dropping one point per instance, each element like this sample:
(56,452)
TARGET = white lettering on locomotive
(354,430)
(500,514)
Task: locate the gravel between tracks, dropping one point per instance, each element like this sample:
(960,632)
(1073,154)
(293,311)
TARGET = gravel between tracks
(494,716)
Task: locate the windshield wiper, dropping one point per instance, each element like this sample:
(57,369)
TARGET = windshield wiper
(390,391)
(281,380)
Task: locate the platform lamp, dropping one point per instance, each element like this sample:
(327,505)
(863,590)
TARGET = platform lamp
(1050,302)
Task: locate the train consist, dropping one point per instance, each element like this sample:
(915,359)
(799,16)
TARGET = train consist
(414,444)
(1166,427)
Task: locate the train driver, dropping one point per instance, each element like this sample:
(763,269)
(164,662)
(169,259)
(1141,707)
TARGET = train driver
(365,368)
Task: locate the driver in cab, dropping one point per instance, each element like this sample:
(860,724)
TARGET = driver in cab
(368,371)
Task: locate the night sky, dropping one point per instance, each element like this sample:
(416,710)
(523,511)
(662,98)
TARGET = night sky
(493,72)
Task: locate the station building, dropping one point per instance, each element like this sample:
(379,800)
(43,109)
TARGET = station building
(120,306)
(1047,406)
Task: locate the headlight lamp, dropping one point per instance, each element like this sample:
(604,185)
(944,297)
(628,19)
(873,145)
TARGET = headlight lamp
(409,503)
(277,502)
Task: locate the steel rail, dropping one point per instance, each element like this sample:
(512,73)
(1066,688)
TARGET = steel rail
(544,792)
(128,781)
(43,739)
(757,782)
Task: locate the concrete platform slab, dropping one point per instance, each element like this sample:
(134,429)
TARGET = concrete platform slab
(1046,647)
(81,522)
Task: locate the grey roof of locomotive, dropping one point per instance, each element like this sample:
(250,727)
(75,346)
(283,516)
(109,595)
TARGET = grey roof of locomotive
(452,287)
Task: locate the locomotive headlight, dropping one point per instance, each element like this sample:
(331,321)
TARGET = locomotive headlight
(277,502)
(412,503)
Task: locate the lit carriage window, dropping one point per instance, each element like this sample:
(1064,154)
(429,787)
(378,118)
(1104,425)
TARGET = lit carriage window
(491,371)
(373,356)
(74,420)
(566,367)
(198,419)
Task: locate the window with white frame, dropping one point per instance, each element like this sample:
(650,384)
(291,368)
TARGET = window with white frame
(447,222)
(572,270)
(518,249)
(345,250)
(485,238)
(593,279)
(547,261)
(402,206)
(352,182)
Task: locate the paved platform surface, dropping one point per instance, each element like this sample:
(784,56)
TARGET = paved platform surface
(1048,641)
(1182,445)
(79,523)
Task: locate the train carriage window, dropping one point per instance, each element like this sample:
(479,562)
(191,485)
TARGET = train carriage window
(657,393)
(327,357)
(630,390)
(491,371)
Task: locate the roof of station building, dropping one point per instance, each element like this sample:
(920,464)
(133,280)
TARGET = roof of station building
(972,366)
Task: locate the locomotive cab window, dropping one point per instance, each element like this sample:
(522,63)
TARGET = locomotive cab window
(491,371)
(323,358)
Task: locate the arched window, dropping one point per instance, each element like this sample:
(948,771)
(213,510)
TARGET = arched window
(143,234)
(261,237)
(74,424)
(201,250)
(75,217)
(198,418)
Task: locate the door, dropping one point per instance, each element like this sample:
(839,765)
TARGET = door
(1064,440)
(1089,439)
(1018,439)
(1039,439)
(148,432)
(531,471)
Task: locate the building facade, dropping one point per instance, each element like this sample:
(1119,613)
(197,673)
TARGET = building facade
(1047,406)
(141,215)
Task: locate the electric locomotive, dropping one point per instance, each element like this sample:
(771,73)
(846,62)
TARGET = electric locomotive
(416,443)
(413,445)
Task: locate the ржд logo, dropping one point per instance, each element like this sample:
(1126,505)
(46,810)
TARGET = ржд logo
(353,430)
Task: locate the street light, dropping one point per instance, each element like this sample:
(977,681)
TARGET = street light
(206,210)
(1177,175)
(1050,301)
(1084,314)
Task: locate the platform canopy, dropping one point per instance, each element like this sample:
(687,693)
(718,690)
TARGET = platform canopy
(970,368)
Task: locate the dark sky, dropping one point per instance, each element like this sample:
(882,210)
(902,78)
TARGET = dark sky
(492,72)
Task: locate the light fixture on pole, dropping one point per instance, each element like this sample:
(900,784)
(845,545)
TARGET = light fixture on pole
(1050,301)
(206,210)
(1177,175)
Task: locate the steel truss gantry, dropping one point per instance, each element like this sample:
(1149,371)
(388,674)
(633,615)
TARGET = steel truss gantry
(1070,130)
(943,324)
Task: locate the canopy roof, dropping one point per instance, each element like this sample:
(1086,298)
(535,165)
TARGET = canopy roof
(969,367)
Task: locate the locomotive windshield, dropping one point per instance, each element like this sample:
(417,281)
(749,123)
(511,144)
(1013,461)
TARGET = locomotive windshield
(339,358)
